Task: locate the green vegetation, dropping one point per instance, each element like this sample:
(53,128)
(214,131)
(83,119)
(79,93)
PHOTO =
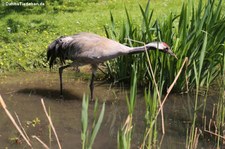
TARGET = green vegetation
(196,32)
(125,133)
(87,136)
(26,32)
(185,32)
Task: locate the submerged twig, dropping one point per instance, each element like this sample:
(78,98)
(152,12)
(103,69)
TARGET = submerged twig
(13,121)
(161,140)
(172,85)
(40,141)
(215,134)
(22,127)
(51,124)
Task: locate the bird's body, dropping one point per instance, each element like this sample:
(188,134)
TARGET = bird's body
(88,48)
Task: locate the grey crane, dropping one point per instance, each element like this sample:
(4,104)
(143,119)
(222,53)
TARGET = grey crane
(88,48)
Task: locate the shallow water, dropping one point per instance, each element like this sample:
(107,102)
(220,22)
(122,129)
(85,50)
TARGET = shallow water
(22,93)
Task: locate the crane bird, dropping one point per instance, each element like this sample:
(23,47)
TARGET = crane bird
(88,48)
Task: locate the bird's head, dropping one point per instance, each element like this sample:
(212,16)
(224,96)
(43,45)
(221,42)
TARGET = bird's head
(162,47)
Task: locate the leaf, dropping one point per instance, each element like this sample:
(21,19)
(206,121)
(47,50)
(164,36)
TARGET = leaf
(202,54)
(97,126)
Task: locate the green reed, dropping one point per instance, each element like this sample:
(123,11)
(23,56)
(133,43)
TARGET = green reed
(197,72)
(220,111)
(150,136)
(124,135)
(197,32)
(185,33)
(86,136)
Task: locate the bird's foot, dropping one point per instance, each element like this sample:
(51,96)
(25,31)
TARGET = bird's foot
(61,97)
(92,99)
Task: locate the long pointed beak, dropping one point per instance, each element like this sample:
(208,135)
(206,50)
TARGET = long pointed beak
(171,53)
(174,55)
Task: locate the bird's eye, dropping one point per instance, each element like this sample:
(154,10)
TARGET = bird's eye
(166,49)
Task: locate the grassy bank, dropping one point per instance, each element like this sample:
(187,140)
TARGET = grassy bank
(25,32)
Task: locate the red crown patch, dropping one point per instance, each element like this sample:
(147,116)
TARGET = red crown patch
(166,45)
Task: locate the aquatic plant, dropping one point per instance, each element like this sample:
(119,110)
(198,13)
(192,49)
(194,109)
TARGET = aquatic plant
(86,136)
(195,33)
(150,119)
(197,71)
(185,33)
(220,108)
(125,133)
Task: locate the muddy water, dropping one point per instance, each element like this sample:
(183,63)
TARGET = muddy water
(22,93)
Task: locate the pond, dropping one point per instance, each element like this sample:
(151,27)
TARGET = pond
(23,91)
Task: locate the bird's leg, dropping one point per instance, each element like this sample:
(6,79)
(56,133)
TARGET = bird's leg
(92,86)
(60,78)
(94,68)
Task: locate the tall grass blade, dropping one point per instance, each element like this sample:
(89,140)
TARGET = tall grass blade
(86,137)
(97,126)
(202,55)
(84,122)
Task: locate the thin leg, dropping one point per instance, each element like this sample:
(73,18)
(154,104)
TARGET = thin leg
(94,68)
(60,78)
(92,86)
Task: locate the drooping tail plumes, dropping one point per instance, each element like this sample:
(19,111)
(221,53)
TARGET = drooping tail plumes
(55,50)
